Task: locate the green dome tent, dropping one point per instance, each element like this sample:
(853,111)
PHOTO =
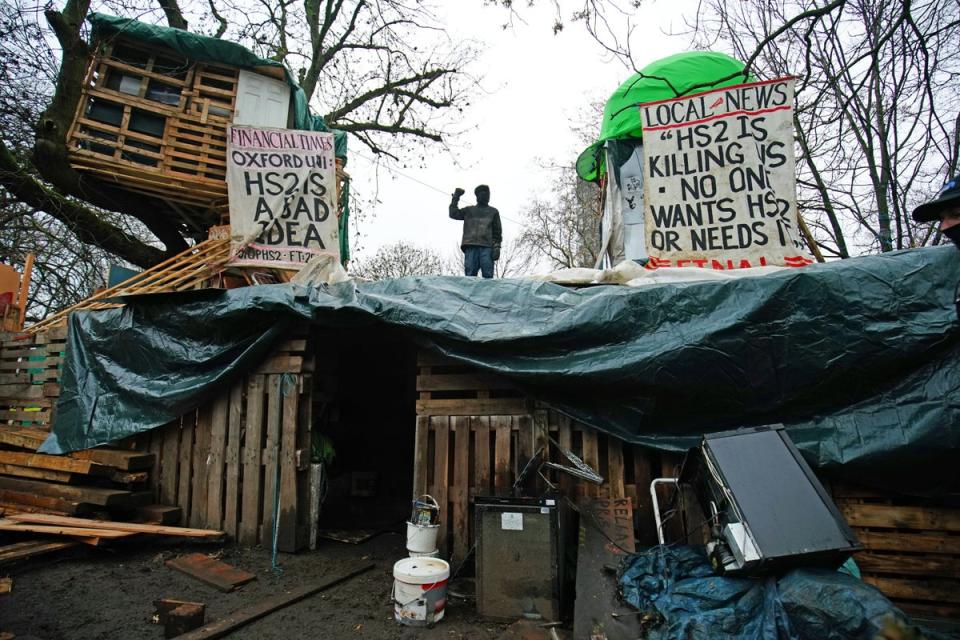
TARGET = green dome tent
(667,78)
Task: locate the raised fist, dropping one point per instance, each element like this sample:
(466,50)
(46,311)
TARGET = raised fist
(458,192)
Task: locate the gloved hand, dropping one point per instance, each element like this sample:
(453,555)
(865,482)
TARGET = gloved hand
(495,253)
(457,193)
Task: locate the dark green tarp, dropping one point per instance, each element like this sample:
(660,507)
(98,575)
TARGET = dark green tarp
(201,48)
(860,358)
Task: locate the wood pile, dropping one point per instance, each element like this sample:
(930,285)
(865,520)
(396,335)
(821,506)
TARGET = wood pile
(92,497)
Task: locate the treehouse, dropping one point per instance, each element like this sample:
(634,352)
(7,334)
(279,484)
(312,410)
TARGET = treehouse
(155,107)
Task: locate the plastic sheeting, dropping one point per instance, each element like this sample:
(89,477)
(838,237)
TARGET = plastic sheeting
(803,604)
(860,358)
(662,79)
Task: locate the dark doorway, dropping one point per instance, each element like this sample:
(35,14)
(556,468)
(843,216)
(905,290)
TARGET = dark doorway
(366,407)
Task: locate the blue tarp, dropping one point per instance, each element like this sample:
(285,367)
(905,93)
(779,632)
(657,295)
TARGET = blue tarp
(692,603)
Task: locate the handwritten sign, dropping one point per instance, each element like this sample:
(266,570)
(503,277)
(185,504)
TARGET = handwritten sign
(720,182)
(282,190)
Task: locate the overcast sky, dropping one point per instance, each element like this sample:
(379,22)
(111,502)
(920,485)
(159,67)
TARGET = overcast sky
(535,84)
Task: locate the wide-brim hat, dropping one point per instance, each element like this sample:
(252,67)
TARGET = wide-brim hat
(947,197)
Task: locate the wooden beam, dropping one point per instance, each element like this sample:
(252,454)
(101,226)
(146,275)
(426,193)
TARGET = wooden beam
(89,495)
(246,615)
(134,527)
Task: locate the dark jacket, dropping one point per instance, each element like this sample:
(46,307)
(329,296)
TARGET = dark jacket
(481,225)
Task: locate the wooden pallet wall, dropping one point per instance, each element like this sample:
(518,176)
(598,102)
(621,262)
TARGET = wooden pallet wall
(475,432)
(30,376)
(912,548)
(228,464)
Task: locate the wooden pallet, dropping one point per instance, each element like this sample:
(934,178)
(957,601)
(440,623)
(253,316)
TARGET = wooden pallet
(470,442)
(185,163)
(186,270)
(912,548)
(30,376)
(222,464)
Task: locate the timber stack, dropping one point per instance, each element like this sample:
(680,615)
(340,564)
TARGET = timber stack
(48,502)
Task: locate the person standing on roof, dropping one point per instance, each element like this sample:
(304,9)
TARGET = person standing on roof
(945,208)
(482,233)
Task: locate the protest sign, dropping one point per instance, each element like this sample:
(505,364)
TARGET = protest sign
(282,189)
(720,187)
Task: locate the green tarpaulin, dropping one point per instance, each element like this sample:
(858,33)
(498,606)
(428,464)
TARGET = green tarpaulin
(200,48)
(670,77)
(859,358)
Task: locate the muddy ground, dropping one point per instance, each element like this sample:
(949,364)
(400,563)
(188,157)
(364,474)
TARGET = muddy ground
(108,593)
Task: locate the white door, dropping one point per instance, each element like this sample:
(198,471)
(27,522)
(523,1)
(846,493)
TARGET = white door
(261,101)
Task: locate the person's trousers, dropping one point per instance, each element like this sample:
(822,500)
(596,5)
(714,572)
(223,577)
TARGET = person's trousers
(478,259)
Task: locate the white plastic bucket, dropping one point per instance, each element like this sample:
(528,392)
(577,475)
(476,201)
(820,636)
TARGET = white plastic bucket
(425,554)
(420,591)
(422,538)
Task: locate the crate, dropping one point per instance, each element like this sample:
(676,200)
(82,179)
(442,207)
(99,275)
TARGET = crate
(911,548)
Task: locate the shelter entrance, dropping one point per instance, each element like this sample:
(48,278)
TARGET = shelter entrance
(364,414)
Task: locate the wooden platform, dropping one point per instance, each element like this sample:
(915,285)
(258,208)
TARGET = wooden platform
(155,123)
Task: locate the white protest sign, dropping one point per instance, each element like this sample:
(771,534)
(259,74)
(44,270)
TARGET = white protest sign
(720,187)
(282,189)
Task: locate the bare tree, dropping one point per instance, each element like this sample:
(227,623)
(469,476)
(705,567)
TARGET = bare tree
(380,69)
(564,228)
(877,102)
(398,260)
(516,260)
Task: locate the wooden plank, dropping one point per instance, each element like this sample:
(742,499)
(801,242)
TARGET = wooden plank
(501,425)
(615,467)
(565,440)
(591,456)
(231,509)
(901,517)
(201,444)
(460,494)
(287,532)
(248,614)
(56,530)
(169,463)
(30,502)
(89,495)
(119,458)
(472,407)
(462,381)
(252,471)
(525,442)
(158,514)
(37,474)
(215,459)
(27,550)
(271,458)
(606,536)
(185,464)
(481,435)
(920,565)
(934,590)
(420,452)
(109,525)
(917,542)
(643,510)
(55,463)
(441,478)
(217,574)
